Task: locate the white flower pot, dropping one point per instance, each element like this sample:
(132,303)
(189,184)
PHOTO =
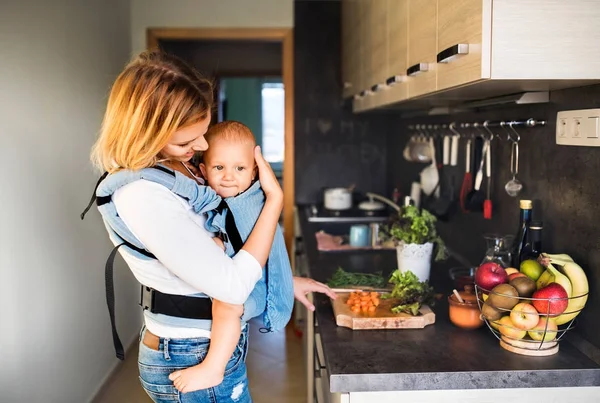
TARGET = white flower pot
(416,258)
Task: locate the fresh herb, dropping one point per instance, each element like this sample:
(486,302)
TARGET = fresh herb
(416,226)
(410,292)
(343,278)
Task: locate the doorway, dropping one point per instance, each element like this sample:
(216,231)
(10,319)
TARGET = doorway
(264,55)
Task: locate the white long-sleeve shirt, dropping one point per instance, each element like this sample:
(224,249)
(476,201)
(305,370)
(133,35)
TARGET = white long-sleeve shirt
(188,260)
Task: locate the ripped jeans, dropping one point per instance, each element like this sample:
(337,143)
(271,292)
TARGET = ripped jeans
(175,354)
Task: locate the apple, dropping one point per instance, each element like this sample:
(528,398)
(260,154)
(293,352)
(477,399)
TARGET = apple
(532,269)
(511,270)
(524,316)
(489,275)
(507,329)
(537,333)
(551,299)
(515,275)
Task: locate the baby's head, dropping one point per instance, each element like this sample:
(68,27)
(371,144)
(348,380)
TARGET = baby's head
(228,165)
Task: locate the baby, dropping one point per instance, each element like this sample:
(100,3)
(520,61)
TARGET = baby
(229,168)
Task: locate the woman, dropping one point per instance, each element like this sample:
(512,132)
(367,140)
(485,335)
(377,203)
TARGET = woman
(158,111)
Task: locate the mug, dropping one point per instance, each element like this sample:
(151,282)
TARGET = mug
(359,235)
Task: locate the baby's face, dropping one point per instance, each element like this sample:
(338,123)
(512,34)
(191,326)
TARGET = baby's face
(229,167)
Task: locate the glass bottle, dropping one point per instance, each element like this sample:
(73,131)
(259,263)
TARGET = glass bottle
(533,247)
(526,207)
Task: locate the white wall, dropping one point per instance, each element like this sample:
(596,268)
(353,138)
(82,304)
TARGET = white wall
(57,61)
(206,13)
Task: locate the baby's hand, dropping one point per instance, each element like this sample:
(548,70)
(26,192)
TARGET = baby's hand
(195,378)
(219,242)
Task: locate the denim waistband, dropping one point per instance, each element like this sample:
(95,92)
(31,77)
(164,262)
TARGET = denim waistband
(191,344)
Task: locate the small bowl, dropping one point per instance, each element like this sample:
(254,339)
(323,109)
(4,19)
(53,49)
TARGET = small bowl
(462,276)
(465,314)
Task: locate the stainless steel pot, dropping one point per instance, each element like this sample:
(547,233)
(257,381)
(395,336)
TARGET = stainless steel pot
(337,198)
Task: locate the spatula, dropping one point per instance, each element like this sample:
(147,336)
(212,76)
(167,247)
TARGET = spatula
(476,198)
(467,184)
(487,204)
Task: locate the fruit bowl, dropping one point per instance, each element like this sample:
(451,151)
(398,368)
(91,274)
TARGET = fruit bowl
(528,325)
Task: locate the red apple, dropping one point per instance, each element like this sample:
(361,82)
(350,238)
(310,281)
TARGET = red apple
(515,275)
(552,299)
(489,275)
(524,316)
(537,333)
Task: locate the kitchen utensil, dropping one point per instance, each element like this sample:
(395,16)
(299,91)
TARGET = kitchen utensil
(467,184)
(415,193)
(464,314)
(476,198)
(440,207)
(338,198)
(382,318)
(513,187)
(371,205)
(487,204)
(429,175)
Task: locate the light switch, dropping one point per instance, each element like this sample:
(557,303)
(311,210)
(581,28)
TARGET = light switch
(594,126)
(578,128)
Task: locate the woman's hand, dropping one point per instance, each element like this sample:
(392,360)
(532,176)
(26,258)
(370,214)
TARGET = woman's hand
(303,285)
(268,181)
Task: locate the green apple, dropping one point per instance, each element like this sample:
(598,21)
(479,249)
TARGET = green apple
(532,269)
(551,329)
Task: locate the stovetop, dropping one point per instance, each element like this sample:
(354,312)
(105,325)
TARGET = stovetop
(318,213)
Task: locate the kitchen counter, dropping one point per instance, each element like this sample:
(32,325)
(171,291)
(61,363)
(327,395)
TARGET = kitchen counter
(438,357)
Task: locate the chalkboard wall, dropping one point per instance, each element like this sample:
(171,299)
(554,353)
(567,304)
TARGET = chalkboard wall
(333,147)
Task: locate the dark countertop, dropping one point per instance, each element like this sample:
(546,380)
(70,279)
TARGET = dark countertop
(440,356)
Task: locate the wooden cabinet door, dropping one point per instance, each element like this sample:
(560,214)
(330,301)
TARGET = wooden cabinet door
(364,8)
(350,48)
(464,32)
(379,36)
(397,45)
(422,46)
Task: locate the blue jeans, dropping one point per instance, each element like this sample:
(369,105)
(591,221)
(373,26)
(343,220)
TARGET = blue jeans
(175,354)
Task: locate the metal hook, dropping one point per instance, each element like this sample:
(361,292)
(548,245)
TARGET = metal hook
(481,133)
(487,129)
(452,126)
(503,126)
(510,125)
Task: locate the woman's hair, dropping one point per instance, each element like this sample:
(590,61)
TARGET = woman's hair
(154,96)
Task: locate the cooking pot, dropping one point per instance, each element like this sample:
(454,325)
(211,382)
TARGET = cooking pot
(337,198)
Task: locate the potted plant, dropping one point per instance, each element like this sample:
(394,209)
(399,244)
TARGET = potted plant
(414,233)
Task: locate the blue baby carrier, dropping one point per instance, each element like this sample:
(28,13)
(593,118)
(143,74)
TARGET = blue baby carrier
(204,199)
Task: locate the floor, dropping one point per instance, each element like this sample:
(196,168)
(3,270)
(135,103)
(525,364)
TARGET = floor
(275,371)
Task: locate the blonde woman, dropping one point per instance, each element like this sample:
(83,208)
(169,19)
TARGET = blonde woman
(158,112)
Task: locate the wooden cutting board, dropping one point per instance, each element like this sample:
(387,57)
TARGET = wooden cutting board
(382,318)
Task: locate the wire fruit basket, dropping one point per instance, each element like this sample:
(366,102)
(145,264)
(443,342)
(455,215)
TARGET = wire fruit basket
(527,325)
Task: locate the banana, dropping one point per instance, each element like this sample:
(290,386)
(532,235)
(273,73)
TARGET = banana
(545,279)
(561,279)
(579,293)
(560,258)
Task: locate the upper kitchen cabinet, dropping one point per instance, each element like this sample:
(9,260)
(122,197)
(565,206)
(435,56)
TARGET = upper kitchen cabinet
(450,52)
(350,48)
(422,47)
(460,42)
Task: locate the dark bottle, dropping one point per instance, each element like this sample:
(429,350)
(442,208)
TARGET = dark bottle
(526,207)
(533,247)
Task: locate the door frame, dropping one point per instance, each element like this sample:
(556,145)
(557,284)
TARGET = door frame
(285,36)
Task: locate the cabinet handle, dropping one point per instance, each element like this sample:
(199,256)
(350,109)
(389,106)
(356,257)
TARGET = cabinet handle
(393,80)
(347,85)
(378,87)
(365,93)
(417,68)
(447,55)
